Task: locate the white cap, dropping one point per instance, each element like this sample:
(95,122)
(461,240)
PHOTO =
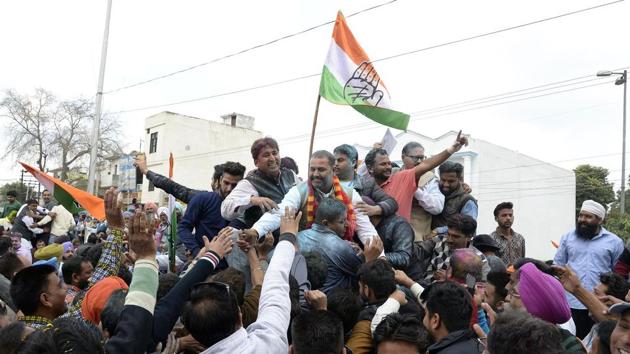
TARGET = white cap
(593,207)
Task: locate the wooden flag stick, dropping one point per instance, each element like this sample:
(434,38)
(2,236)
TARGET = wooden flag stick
(310,149)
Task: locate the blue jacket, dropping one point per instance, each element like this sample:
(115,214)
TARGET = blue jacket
(203,214)
(343,262)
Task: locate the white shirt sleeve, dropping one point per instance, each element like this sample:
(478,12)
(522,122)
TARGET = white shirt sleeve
(430,198)
(270,221)
(238,200)
(388,307)
(365,230)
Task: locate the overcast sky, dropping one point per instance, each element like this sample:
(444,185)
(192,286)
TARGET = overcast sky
(56,45)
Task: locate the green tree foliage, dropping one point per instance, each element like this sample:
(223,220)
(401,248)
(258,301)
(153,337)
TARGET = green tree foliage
(591,182)
(618,224)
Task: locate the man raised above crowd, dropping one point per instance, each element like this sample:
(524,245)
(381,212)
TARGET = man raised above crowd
(265,186)
(456,200)
(346,159)
(403,185)
(429,200)
(322,183)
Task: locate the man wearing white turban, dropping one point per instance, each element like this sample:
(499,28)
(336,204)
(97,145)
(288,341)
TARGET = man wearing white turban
(590,250)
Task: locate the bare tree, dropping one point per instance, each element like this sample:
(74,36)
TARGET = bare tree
(29,118)
(59,130)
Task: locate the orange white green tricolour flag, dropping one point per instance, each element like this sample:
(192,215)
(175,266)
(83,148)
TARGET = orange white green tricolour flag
(349,78)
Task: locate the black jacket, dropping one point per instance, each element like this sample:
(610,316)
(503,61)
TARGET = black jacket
(458,342)
(367,187)
(171,187)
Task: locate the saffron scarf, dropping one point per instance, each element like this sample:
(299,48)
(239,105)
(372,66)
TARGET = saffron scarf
(311,207)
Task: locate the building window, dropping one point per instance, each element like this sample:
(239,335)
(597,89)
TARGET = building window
(151,186)
(153,143)
(115,169)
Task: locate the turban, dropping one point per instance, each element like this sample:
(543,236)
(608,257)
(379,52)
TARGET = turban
(96,298)
(150,205)
(543,295)
(67,246)
(593,207)
(165,211)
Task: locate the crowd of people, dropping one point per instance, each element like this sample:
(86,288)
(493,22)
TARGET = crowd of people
(388,260)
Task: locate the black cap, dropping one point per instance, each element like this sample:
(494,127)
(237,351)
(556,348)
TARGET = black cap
(485,242)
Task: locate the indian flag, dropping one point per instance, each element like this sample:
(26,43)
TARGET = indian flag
(349,78)
(72,198)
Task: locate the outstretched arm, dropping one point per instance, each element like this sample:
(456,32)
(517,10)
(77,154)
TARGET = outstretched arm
(434,161)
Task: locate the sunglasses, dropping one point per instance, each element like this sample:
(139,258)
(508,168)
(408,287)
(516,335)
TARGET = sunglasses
(417,158)
(213,284)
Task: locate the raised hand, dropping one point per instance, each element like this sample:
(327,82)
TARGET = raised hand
(141,237)
(265,246)
(290,222)
(140,162)
(265,204)
(460,141)
(569,279)
(316,299)
(403,279)
(221,244)
(113,211)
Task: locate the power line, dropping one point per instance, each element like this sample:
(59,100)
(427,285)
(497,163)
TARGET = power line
(498,31)
(276,83)
(258,46)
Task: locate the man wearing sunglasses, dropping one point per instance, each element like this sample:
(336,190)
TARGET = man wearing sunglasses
(429,200)
(214,319)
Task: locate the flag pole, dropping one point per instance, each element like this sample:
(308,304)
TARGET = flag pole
(310,149)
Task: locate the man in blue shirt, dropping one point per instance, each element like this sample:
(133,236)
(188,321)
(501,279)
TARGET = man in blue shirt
(203,213)
(589,250)
(326,238)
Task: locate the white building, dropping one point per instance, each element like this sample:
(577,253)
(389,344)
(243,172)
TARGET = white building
(543,194)
(197,145)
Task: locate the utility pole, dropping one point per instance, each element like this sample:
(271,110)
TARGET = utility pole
(98,103)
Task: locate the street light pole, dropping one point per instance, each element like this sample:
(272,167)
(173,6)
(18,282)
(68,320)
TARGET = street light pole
(98,104)
(622,201)
(623,79)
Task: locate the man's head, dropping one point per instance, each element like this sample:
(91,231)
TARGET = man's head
(38,290)
(465,267)
(485,244)
(401,334)
(378,164)
(212,313)
(331,212)
(451,174)
(346,304)
(496,291)
(320,170)
(289,163)
(235,279)
(412,154)
(316,332)
(216,177)
(601,341)
(620,337)
(11,196)
(376,280)
(504,215)
(316,268)
(111,311)
(540,294)
(77,271)
(10,264)
(46,196)
(16,240)
(346,157)
(461,229)
(517,332)
(448,308)
(32,204)
(232,173)
(590,219)
(266,155)
(612,284)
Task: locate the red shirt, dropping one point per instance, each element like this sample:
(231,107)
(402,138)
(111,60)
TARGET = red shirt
(401,186)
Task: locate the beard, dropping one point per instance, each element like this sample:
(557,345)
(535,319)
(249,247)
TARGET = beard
(586,231)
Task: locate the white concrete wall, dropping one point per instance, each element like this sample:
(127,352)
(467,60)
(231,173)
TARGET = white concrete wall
(197,145)
(543,194)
